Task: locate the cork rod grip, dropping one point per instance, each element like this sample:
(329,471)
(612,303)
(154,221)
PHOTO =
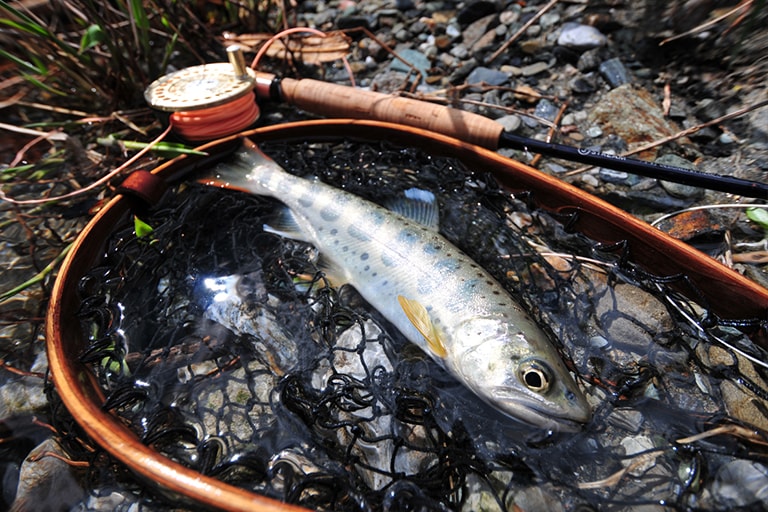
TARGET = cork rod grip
(331,100)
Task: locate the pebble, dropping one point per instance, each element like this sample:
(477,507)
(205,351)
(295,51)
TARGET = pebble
(549,19)
(415,57)
(510,122)
(534,69)
(614,72)
(638,445)
(509,16)
(594,132)
(485,42)
(589,60)
(589,180)
(545,109)
(580,37)
(478,29)
(611,176)
(452,31)
(583,84)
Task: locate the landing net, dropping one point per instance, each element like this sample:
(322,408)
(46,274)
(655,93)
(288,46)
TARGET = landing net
(223,347)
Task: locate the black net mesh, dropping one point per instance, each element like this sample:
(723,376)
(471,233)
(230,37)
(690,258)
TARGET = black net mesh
(224,348)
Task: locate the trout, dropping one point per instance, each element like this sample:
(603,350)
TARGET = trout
(432,292)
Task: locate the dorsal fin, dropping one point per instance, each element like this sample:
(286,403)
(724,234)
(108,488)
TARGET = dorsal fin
(418,205)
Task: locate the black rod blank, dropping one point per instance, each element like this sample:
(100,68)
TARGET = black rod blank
(690,177)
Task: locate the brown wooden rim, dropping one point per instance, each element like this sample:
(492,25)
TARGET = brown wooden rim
(736,296)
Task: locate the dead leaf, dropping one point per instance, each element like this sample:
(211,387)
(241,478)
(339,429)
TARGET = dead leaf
(308,49)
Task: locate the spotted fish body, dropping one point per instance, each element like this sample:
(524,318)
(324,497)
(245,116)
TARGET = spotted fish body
(437,296)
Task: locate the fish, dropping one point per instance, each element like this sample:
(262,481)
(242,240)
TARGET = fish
(428,289)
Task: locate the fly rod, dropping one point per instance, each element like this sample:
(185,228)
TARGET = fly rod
(332,100)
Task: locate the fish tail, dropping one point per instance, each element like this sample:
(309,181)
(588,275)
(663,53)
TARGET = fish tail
(250,170)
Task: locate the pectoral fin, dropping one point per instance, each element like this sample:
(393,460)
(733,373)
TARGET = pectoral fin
(419,317)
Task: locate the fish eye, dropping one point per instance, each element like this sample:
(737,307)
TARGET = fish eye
(536,376)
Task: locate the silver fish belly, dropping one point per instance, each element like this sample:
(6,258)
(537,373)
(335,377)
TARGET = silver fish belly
(437,296)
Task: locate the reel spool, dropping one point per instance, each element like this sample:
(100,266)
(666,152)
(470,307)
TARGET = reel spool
(208,101)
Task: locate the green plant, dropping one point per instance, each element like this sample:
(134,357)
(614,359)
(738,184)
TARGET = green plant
(104,54)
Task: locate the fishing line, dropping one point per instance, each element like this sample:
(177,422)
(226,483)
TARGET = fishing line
(209,101)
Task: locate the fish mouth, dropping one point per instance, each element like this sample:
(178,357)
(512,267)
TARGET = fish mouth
(544,417)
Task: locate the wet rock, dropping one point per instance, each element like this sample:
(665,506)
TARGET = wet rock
(536,498)
(741,483)
(611,176)
(627,420)
(580,37)
(739,401)
(632,114)
(614,72)
(639,199)
(25,395)
(637,331)
(350,22)
(637,446)
(46,483)
(460,74)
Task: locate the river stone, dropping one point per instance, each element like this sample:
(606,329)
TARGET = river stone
(580,37)
(47,482)
(415,57)
(478,29)
(632,114)
(25,394)
(741,483)
(739,401)
(631,317)
(614,72)
(510,122)
(535,68)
